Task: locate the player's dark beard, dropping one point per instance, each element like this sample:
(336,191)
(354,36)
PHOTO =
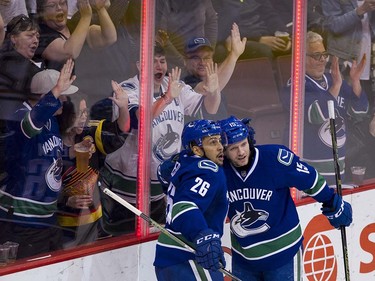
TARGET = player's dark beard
(204,154)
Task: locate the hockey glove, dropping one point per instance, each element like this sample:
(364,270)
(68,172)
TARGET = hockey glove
(164,171)
(208,251)
(338,212)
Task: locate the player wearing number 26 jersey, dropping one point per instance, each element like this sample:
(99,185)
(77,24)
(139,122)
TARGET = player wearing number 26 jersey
(199,197)
(196,208)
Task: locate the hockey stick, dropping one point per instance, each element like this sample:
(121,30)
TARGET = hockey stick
(332,125)
(160,227)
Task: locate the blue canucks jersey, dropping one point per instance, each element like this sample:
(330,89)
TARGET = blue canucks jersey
(197,200)
(265,228)
(317,142)
(34,165)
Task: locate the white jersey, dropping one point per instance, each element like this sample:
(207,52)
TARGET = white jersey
(166,130)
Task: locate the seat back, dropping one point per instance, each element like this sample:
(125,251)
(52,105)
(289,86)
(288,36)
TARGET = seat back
(253,92)
(284,70)
(251,85)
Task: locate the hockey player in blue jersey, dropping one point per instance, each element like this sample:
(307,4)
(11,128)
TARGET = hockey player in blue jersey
(28,197)
(265,229)
(197,207)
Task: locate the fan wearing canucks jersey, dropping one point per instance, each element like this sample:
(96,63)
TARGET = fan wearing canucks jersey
(197,207)
(265,229)
(172,99)
(28,197)
(349,99)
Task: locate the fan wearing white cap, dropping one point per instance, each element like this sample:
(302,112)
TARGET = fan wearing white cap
(33,167)
(58,83)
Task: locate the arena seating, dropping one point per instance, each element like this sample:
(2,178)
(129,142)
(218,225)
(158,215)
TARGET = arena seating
(284,70)
(253,92)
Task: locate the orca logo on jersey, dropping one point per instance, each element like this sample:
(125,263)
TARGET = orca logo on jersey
(208,164)
(325,133)
(248,222)
(164,143)
(53,175)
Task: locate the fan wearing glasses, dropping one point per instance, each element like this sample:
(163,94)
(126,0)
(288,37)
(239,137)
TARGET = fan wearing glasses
(60,42)
(199,55)
(320,87)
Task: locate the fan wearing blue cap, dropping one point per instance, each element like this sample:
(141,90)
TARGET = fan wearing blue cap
(200,67)
(197,206)
(265,230)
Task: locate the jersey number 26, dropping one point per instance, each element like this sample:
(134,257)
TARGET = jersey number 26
(201,187)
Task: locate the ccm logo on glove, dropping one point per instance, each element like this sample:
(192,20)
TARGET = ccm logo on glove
(207,237)
(338,212)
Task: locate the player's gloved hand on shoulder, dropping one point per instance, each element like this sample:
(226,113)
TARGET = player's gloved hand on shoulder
(164,171)
(208,251)
(338,211)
